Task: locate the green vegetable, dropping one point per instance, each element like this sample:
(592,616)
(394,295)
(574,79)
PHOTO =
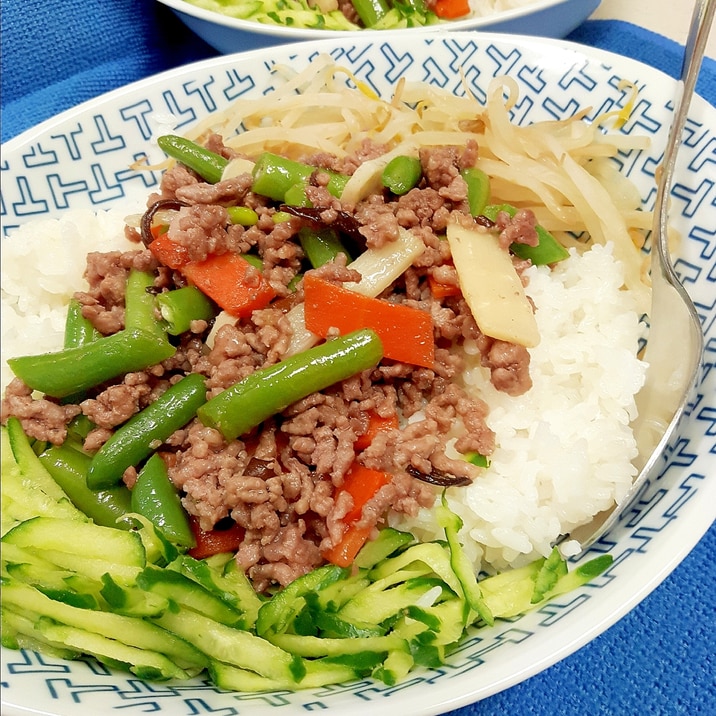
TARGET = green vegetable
(478,459)
(233,646)
(371,11)
(321,246)
(78,329)
(296,196)
(49,535)
(222,577)
(145,431)
(28,489)
(547,251)
(462,566)
(275,615)
(155,497)
(129,631)
(551,571)
(140,310)
(242,215)
(187,593)
(74,370)
(207,164)
(274,175)
(478,189)
(181,306)
(69,468)
(270,390)
(401,174)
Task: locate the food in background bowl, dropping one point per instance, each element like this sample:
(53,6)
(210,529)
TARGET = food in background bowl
(357,14)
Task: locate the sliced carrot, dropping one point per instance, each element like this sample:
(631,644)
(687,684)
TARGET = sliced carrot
(232,282)
(362,484)
(215,541)
(443,290)
(168,252)
(376,424)
(406,332)
(451,8)
(346,550)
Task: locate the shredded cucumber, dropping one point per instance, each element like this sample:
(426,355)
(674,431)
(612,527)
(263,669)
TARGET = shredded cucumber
(132,601)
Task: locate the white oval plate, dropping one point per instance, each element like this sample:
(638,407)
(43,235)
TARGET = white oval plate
(81,159)
(545,18)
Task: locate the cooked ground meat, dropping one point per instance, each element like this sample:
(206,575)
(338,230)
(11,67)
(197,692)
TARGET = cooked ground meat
(282,482)
(40,418)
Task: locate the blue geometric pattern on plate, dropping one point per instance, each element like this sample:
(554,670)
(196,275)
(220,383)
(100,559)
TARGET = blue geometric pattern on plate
(82,159)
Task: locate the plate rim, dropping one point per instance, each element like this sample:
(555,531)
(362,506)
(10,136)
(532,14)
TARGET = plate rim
(689,536)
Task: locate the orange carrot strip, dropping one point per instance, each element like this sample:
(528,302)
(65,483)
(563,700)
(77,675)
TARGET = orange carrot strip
(231,281)
(346,550)
(168,252)
(362,484)
(406,332)
(215,541)
(443,290)
(452,8)
(376,424)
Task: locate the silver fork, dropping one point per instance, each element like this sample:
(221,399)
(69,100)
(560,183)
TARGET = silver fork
(675,345)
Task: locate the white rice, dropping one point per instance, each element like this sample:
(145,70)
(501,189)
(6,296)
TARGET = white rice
(42,265)
(564,448)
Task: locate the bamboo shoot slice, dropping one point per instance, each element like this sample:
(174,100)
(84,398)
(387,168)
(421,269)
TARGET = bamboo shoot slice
(491,286)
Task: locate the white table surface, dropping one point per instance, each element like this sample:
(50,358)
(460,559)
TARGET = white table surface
(670,18)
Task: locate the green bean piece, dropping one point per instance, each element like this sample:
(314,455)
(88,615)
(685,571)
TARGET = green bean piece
(69,468)
(478,189)
(254,260)
(274,175)
(418,6)
(145,431)
(139,305)
(207,164)
(270,390)
(74,370)
(401,174)
(155,497)
(78,329)
(296,196)
(181,306)
(78,332)
(321,246)
(371,11)
(242,215)
(547,251)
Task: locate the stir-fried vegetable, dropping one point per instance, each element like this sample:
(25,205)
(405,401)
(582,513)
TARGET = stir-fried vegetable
(204,162)
(405,332)
(269,390)
(232,282)
(137,439)
(72,370)
(492,287)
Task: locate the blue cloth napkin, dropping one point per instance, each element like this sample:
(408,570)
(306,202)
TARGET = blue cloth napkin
(659,659)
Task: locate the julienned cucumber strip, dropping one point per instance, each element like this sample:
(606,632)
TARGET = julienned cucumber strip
(27,488)
(72,587)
